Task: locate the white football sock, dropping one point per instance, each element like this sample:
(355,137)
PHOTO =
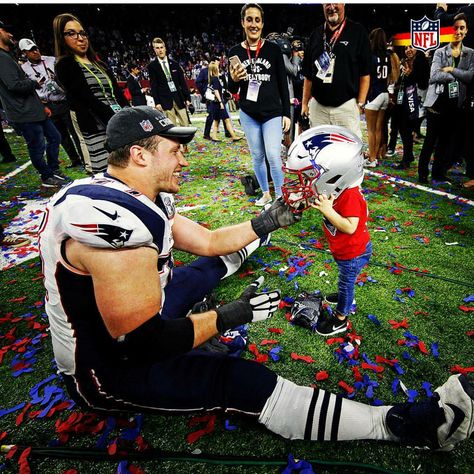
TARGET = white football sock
(297,412)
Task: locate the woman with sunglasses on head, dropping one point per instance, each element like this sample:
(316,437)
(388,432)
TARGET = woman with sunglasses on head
(91,89)
(258,74)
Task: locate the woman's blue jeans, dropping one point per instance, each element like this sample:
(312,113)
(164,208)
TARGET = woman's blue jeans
(348,272)
(264,139)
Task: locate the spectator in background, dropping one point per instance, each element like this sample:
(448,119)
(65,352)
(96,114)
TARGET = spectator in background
(137,92)
(452,71)
(415,72)
(377,97)
(91,89)
(168,85)
(260,78)
(41,69)
(27,114)
(217,106)
(447,18)
(297,49)
(336,68)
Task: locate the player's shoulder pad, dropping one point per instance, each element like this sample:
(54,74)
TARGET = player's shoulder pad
(109,216)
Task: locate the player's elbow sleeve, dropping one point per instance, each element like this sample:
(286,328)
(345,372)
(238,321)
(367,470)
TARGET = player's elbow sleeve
(158,339)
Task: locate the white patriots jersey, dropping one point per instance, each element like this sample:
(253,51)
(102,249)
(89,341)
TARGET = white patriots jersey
(103,212)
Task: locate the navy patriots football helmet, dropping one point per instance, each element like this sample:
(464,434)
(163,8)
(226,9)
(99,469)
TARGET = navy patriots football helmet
(323,160)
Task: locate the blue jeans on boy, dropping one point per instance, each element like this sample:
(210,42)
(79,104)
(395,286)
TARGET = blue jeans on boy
(35,134)
(348,273)
(264,139)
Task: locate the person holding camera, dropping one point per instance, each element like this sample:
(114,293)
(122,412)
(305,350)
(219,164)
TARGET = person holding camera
(257,72)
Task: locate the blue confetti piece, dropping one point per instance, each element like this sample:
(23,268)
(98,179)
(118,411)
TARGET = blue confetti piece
(427,388)
(7,411)
(400,300)
(395,385)
(370,392)
(434,349)
(110,423)
(398,369)
(373,318)
(377,402)
(302,466)
(273,353)
(230,427)
(412,394)
(469,299)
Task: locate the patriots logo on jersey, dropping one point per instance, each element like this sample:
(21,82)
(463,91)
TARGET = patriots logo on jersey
(116,236)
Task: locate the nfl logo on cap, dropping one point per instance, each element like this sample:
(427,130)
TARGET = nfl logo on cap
(146,125)
(424,33)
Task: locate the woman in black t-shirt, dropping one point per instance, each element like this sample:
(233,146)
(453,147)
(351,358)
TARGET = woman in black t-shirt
(258,75)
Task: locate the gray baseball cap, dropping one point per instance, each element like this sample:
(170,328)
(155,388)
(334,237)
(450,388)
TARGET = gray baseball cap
(136,123)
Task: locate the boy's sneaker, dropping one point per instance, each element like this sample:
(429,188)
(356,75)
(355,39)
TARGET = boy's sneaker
(331,299)
(53,182)
(330,325)
(370,164)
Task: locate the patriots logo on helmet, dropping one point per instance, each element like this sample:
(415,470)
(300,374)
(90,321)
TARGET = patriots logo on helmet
(116,236)
(321,140)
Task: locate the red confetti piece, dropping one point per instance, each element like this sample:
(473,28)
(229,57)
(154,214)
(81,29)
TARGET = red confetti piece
(422,347)
(346,387)
(357,375)
(24,467)
(19,418)
(267,342)
(334,340)
(276,330)
(112,448)
(17,300)
(466,309)
(210,421)
(71,471)
(376,368)
(461,370)
(307,359)
(398,325)
(424,313)
(3,435)
(470,333)
(383,360)
(259,357)
(321,375)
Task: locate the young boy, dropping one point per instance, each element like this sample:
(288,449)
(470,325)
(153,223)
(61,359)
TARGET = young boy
(328,161)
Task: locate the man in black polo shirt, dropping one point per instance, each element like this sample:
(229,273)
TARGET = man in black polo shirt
(336,69)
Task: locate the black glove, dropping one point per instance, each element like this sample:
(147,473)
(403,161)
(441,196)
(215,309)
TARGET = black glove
(250,307)
(279,214)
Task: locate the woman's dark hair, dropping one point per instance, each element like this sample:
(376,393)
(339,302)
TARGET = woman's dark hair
(461,16)
(378,42)
(60,47)
(250,5)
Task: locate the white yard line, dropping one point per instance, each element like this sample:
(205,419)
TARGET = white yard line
(408,184)
(15,172)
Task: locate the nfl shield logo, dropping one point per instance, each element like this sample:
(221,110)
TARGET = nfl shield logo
(424,34)
(146,125)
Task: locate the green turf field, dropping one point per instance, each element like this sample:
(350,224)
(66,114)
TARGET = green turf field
(420,273)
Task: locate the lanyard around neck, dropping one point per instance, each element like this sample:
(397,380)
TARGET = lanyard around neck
(48,71)
(257,52)
(335,36)
(101,84)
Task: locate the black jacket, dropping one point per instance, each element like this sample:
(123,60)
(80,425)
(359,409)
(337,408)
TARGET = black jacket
(81,99)
(135,89)
(159,85)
